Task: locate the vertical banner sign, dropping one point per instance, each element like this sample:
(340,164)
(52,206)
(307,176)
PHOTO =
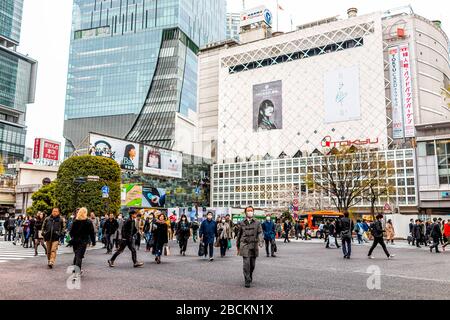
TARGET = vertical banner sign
(396,93)
(408,111)
(37,148)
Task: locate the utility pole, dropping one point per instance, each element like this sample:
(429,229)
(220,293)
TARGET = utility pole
(278,7)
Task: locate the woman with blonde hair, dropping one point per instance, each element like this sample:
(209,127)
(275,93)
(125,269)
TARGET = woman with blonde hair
(81,233)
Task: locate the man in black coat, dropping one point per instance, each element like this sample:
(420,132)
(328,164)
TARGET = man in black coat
(128,232)
(10,227)
(53,227)
(411,231)
(436,234)
(346,226)
(377,233)
(417,233)
(109,229)
(332,232)
(287,229)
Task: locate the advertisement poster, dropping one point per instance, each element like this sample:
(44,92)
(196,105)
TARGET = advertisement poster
(342,97)
(131,195)
(267,106)
(153,197)
(45,149)
(51,150)
(162,162)
(396,93)
(407,97)
(125,153)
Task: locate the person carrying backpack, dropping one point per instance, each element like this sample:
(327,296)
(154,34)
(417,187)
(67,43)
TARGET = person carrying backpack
(377,233)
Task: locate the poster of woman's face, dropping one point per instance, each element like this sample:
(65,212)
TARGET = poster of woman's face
(267,106)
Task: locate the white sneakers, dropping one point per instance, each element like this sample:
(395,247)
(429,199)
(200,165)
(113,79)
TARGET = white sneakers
(389,258)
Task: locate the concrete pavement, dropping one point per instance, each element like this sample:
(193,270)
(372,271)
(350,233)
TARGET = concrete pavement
(302,270)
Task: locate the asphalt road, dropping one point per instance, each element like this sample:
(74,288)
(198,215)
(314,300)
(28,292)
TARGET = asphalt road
(301,271)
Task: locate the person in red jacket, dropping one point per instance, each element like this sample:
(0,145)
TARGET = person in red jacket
(446,234)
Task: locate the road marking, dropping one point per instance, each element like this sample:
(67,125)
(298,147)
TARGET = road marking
(407,277)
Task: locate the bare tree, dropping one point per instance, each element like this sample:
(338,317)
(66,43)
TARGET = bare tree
(348,176)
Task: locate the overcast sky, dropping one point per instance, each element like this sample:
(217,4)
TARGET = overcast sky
(46,37)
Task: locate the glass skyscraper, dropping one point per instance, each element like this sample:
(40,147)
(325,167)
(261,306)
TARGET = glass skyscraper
(17,83)
(133,66)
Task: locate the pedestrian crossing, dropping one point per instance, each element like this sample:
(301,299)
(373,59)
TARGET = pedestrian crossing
(10,252)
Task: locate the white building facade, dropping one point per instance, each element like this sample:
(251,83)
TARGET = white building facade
(374,81)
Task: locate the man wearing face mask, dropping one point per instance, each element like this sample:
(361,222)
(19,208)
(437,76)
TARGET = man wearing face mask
(250,235)
(268,228)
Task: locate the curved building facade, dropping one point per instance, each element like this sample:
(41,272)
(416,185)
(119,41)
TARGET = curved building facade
(114,52)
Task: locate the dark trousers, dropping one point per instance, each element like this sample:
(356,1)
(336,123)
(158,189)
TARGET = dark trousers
(109,243)
(272,246)
(347,246)
(38,242)
(286,236)
(183,243)
(249,267)
(376,241)
(123,244)
(10,234)
(223,246)
(79,250)
(138,241)
(209,247)
(435,244)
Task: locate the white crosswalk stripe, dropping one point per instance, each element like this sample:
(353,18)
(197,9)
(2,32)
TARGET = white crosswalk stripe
(10,252)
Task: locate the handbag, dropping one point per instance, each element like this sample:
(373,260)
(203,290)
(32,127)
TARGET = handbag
(166,250)
(332,241)
(229,244)
(274,246)
(201,249)
(217,243)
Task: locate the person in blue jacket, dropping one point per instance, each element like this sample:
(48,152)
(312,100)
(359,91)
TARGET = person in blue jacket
(268,228)
(208,232)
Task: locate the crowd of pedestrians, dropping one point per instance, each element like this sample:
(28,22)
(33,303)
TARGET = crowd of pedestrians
(80,231)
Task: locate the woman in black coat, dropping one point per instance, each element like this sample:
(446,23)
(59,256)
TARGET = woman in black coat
(183,233)
(38,238)
(81,233)
(161,236)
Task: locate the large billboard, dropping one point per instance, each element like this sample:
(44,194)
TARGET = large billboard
(125,153)
(46,150)
(407,97)
(153,197)
(396,92)
(255,15)
(162,162)
(131,195)
(268,106)
(342,97)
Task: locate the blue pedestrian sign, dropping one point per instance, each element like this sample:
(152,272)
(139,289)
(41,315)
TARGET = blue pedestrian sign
(105,192)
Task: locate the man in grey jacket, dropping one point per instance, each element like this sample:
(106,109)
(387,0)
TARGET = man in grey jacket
(249,236)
